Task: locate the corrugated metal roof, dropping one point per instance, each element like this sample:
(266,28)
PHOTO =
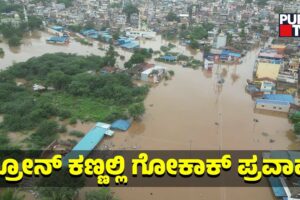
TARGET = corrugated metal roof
(280,97)
(273,102)
(277,187)
(90,140)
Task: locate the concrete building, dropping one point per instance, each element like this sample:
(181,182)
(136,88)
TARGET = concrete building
(221,40)
(275,102)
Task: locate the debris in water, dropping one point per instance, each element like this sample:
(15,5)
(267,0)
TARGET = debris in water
(216,123)
(272,141)
(151,105)
(265,134)
(255,120)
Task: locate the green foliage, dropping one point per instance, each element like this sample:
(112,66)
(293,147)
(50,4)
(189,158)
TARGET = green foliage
(136,110)
(62,129)
(6,6)
(295,117)
(261,2)
(100,194)
(171,72)
(297,128)
(54,187)
(10,194)
(2,52)
(194,44)
(171,16)
(15,34)
(14,41)
(110,56)
(34,22)
(75,28)
(77,95)
(67,3)
(139,56)
(45,134)
(78,134)
(130,9)
(64,114)
(72,121)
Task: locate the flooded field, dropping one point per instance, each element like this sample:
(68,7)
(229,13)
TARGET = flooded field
(191,111)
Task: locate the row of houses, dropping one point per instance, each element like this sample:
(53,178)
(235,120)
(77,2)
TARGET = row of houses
(275,80)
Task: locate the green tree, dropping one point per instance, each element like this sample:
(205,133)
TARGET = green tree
(10,194)
(14,41)
(45,134)
(59,186)
(136,110)
(34,22)
(110,56)
(130,9)
(297,128)
(171,16)
(100,194)
(58,80)
(194,44)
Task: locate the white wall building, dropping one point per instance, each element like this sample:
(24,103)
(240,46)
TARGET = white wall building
(221,40)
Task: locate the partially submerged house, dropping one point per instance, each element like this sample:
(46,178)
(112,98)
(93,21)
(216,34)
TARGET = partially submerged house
(267,70)
(154,74)
(275,102)
(58,40)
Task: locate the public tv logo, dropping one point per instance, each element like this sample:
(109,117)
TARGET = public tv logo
(289,25)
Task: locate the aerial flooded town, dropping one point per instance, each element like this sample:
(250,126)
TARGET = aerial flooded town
(142,75)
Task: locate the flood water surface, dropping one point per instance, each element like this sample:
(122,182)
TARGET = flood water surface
(190,111)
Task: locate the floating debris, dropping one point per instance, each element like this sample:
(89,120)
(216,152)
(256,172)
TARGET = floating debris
(265,134)
(255,120)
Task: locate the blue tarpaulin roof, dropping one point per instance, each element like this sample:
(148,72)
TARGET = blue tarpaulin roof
(130,45)
(124,40)
(169,58)
(279,97)
(57,39)
(57,28)
(230,53)
(121,124)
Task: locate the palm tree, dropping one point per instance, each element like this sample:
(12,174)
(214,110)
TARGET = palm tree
(10,194)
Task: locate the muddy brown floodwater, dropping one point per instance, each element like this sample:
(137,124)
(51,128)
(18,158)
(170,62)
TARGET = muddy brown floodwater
(191,111)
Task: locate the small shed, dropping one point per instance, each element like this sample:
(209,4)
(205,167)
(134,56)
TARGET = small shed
(121,124)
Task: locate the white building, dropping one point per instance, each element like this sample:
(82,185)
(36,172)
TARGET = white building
(221,40)
(153,74)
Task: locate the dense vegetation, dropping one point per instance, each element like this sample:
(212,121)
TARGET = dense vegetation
(130,9)
(76,90)
(139,56)
(171,16)
(6,7)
